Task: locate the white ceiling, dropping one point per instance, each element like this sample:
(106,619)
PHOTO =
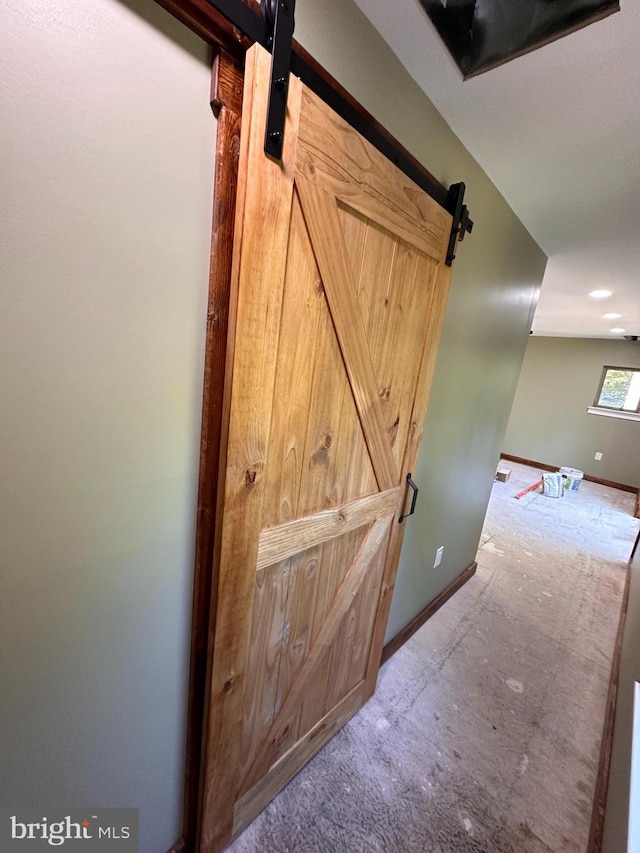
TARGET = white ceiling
(558,132)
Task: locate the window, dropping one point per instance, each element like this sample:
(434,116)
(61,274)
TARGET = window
(619,389)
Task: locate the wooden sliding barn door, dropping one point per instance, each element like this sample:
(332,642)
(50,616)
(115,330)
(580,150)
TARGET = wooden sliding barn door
(340,288)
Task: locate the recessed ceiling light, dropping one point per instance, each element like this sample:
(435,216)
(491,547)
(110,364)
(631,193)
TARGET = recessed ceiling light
(612,316)
(600,294)
(616,331)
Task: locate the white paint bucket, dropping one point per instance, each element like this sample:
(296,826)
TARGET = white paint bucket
(572,478)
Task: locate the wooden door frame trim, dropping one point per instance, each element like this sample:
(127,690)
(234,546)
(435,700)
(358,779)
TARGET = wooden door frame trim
(226,102)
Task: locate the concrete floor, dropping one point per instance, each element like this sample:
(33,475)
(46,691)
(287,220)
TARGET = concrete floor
(484,734)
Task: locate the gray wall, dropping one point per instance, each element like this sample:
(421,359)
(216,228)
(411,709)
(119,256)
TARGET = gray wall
(617,809)
(549,421)
(494,293)
(106,186)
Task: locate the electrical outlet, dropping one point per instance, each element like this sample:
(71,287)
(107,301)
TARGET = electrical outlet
(438,558)
(598,456)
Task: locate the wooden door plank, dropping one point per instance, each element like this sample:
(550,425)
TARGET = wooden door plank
(260,265)
(252,803)
(263,666)
(403,339)
(336,448)
(338,555)
(334,433)
(352,456)
(320,484)
(291,638)
(303,587)
(360,176)
(340,660)
(324,317)
(302,318)
(413,279)
(354,227)
(321,215)
(377,300)
(374,287)
(278,543)
(374,541)
(361,645)
(436,318)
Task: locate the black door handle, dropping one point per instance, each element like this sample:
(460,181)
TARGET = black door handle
(413,500)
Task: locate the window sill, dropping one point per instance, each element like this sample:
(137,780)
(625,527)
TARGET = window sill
(610,413)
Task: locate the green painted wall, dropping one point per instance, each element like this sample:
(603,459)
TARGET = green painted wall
(549,421)
(106,183)
(494,293)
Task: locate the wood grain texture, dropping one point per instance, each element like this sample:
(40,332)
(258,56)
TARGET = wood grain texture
(367,554)
(338,556)
(303,311)
(438,304)
(411,285)
(438,191)
(395,301)
(278,543)
(336,320)
(352,646)
(369,258)
(227,81)
(303,587)
(418,621)
(259,796)
(330,404)
(265,212)
(352,170)
(321,215)
(268,626)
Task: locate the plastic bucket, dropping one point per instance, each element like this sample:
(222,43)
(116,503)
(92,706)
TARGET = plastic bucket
(572,478)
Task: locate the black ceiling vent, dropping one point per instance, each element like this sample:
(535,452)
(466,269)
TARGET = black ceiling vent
(482,34)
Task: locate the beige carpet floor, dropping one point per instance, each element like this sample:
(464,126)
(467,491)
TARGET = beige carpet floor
(484,733)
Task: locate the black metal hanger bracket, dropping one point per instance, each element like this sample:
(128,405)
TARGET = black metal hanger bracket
(273,29)
(461,224)
(279,15)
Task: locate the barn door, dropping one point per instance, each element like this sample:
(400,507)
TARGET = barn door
(340,292)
